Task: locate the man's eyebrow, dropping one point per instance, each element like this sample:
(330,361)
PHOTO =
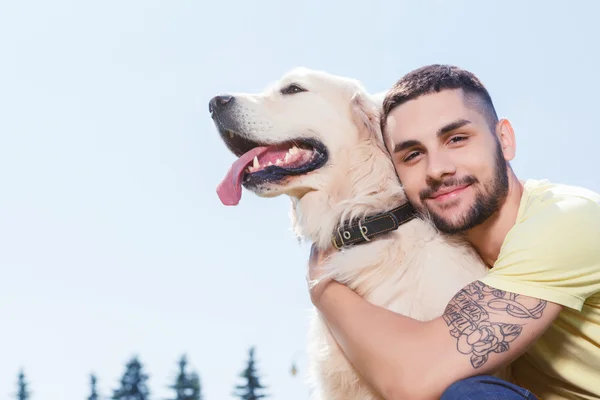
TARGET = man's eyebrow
(442,131)
(405,145)
(452,126)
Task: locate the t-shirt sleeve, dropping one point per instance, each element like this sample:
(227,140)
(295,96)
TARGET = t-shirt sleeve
(552,253)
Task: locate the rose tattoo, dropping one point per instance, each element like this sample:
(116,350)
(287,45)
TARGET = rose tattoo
(468,316)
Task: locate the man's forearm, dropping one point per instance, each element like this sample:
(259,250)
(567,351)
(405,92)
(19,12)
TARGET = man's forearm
(386,348)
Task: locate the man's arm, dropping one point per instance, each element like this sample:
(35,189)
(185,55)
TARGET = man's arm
(552,254)
(481,330)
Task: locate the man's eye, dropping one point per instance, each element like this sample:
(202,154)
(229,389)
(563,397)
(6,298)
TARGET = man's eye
(411,156)
(457,139)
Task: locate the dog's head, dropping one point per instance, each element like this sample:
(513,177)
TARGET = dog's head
(288,137)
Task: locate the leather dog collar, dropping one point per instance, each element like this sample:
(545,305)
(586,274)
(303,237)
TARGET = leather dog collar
(364,231)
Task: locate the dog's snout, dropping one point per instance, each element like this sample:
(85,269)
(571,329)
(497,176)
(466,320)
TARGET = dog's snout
(218,102)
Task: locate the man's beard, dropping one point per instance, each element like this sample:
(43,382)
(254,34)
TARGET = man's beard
(487,201)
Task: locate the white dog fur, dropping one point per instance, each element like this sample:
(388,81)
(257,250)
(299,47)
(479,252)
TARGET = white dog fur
(414,271)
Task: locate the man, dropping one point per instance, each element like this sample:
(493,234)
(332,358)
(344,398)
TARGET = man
(540,304)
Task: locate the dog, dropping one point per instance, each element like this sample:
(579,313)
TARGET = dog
(316,138)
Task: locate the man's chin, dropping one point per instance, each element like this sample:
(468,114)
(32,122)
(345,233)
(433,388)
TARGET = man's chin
(448,222)
(448,210)
(446,226)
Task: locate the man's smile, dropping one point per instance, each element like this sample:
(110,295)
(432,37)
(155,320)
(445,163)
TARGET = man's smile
(447,193)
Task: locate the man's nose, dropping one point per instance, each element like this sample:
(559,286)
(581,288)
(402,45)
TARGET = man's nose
(440,166)
(218,102)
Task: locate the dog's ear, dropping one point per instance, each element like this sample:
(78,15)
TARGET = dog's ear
(366,112)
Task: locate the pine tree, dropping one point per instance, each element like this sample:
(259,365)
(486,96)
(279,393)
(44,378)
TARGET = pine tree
(94,394)
(187,386)
(250,390)
(23,391)
(133,383)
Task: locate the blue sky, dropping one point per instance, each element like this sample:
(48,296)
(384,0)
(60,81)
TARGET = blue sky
(112,239)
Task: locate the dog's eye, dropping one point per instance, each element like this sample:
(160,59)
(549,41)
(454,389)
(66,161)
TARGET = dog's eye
(291,89)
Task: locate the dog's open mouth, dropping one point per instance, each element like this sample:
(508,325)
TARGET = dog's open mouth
(259,163)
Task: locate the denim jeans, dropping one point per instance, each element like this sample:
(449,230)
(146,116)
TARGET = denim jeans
(486,387)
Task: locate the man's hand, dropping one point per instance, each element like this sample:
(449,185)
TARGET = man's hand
(316,281)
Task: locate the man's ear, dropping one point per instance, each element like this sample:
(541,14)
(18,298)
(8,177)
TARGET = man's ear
(506,137)
(365,113)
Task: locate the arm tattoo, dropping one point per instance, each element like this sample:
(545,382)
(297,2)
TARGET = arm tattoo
(468,316)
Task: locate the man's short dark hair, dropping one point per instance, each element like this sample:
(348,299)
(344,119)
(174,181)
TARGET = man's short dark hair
(433,79)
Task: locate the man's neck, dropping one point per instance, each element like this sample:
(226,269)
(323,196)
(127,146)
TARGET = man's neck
(488,237)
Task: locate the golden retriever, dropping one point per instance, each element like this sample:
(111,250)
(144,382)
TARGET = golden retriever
(316,137)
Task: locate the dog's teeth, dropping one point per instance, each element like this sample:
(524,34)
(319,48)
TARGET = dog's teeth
(287,157)
(256,164)
(293,150)
(270,163)
(278,162)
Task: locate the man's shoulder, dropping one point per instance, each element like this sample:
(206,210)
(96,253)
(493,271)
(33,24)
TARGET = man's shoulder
(555,221)
(552,250)
(550,204)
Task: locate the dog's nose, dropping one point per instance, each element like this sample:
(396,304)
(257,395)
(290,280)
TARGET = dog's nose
(218,101)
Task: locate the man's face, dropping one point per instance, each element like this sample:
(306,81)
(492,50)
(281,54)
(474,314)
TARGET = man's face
(450,163)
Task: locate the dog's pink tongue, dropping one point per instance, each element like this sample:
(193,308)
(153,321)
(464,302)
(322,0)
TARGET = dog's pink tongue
(230,188)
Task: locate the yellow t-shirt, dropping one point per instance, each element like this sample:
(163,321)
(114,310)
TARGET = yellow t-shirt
(553,253)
